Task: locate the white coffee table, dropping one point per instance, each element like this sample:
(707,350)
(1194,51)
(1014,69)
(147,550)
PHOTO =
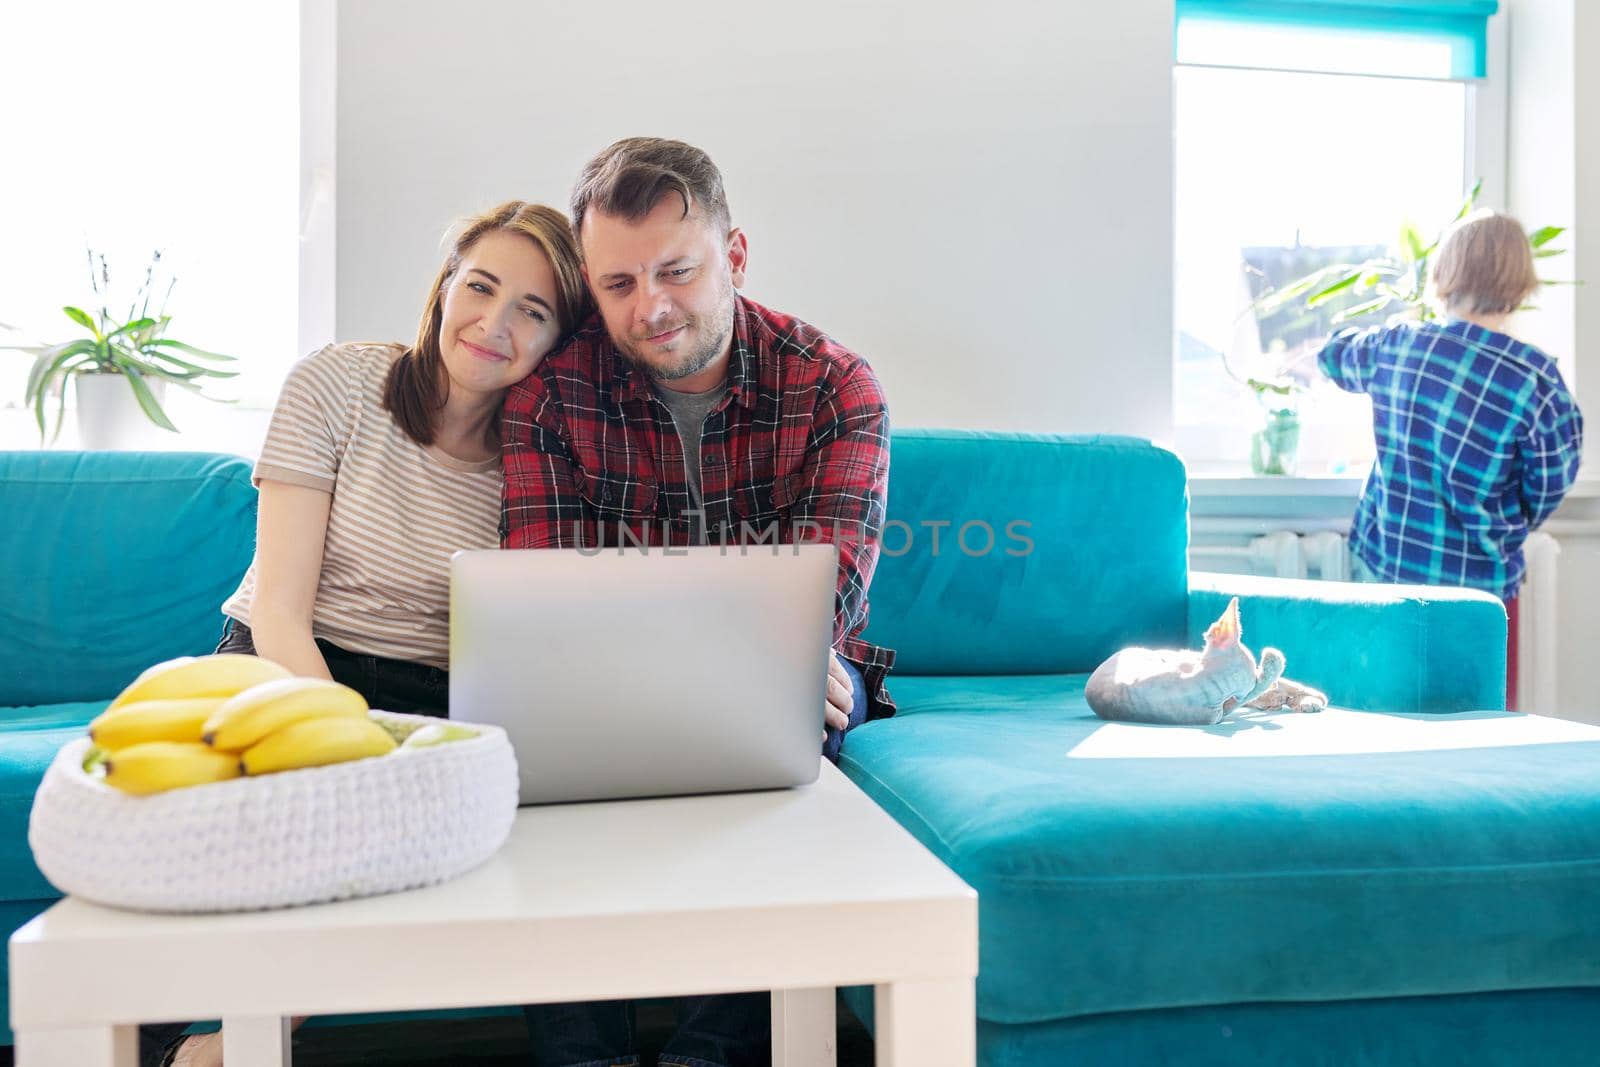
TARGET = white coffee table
(796,891)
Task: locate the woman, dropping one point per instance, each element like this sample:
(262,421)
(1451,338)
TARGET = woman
(381,460)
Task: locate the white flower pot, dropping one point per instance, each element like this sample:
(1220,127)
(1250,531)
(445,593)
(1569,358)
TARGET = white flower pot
(109,415)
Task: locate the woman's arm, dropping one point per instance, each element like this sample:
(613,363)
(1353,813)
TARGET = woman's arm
(291,527)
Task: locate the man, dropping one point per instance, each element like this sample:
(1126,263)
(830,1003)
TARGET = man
(688,414)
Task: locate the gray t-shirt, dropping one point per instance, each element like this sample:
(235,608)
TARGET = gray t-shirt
(689,411)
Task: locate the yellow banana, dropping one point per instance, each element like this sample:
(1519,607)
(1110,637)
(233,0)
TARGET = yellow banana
(200,676)
(315,743)
(160,765)
(263,709)
(153,720)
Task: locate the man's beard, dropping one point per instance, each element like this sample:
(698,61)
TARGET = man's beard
(710,344)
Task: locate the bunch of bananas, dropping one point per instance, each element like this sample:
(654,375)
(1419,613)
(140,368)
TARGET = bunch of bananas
(203,719)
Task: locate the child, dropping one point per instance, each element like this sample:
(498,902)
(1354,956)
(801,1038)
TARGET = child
(1478,439)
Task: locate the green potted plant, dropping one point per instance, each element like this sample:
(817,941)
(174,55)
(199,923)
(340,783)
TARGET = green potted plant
(120,368)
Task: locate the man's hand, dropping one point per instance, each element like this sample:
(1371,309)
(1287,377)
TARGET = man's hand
(841,698)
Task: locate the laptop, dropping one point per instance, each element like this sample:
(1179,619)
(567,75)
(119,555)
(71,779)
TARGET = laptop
(646,672)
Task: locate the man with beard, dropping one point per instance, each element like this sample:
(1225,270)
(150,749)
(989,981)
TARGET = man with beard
(685,413)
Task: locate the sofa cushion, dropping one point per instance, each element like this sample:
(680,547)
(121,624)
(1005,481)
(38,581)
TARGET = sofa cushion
(29,739)
(126,558)
(1275,858)
(1479,1028)
(1014,553)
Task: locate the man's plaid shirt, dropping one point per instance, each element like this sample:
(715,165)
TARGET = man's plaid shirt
(591,456)
(1478,441)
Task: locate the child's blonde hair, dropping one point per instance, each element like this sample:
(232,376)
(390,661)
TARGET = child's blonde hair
(1484,266)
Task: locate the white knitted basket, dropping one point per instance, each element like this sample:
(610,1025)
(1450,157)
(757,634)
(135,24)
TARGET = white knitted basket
(352,829)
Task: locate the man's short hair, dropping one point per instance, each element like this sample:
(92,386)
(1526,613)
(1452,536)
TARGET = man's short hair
(631,177)
(1484,266)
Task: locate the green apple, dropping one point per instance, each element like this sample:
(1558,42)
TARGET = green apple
(438,733)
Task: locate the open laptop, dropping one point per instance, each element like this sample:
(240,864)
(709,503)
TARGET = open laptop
(646,672)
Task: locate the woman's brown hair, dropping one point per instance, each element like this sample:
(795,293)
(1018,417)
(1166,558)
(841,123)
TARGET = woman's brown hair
(415,390)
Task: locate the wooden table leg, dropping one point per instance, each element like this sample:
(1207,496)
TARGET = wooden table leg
(804,1031)
(83,1046)
(926,1023)
(255,1041)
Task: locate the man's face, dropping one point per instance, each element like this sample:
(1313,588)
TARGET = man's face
(664,286)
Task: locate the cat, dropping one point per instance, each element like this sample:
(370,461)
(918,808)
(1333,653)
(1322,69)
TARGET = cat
(1177,687)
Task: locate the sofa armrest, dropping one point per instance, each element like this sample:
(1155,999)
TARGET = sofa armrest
(1399,648)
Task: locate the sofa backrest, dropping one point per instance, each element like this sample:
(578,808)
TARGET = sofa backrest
(113,561)
(1052,552)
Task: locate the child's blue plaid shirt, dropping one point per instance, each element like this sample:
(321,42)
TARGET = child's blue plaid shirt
(1478,441)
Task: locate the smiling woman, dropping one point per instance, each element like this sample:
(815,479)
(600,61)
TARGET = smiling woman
(382,460)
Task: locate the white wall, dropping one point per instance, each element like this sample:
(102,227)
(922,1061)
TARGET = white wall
(1554,178)
(1541,145)
(977,199)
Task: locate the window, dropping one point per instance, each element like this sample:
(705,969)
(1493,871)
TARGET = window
(1282,171)
(174,128)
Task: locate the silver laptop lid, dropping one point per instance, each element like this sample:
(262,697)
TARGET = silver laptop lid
(630,673)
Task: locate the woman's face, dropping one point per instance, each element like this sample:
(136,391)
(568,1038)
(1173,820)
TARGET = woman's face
(498,316)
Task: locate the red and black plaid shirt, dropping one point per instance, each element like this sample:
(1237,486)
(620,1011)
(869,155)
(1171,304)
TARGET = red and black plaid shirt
(802,436)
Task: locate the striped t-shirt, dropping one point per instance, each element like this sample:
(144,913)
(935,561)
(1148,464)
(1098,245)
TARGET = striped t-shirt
(399,509)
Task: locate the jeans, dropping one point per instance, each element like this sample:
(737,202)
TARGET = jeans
(727,1030)
(389,684)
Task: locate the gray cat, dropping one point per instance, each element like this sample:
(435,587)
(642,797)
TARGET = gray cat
(1176,687)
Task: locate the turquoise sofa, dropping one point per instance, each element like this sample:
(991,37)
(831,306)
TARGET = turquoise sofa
(113,561)
(1406,907)
(1153,895)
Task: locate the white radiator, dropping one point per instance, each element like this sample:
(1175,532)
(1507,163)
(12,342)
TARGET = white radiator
(1319,550)
(1538,642)
(1248,546)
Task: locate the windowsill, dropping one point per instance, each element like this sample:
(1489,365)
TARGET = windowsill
(1234,483)
(204,427)
(1231,483)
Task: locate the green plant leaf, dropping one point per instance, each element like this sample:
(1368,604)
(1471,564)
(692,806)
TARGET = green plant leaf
(147,400)
(52,363)
(1546,253)
(1328,292)
(1365,308)
(1545,234)
(81,317)
(166,342)
(136,324)
(1272,301)
(1411,247)
(210,372)
(1280,388)
(58,369)
(1469,200)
